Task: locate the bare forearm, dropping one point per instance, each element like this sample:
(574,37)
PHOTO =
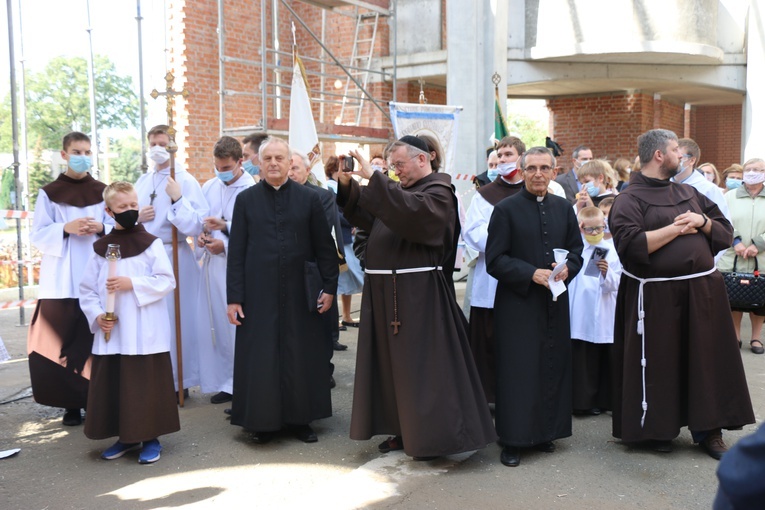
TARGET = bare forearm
(656,239)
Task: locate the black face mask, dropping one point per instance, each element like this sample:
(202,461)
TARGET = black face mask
(127,219)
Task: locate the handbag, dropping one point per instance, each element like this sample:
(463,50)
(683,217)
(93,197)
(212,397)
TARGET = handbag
(746,291)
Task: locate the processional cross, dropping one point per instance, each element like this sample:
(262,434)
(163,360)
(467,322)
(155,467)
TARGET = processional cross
(172,148)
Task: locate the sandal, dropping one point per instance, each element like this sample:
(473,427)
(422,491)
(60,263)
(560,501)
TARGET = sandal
(391,444)
(351,323)
(757,349)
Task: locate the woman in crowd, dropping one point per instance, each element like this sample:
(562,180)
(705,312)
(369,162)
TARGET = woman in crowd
(733,176)
(711,173)
(747,211)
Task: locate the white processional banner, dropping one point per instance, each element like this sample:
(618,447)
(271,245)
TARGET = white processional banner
(438,121)
(302,130)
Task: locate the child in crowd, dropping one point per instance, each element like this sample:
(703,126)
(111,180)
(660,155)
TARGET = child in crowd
(131,386)
(592,304)
(605,207)
(595,177)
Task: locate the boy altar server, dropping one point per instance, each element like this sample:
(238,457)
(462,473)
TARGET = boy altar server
(69,217)
(592,303)
(216,352)
(131,392)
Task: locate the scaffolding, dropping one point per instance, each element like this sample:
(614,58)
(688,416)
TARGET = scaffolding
(354,75)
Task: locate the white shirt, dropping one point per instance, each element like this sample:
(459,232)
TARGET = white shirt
(63,258)
(592,299)
(143,324)
(557,189)
(186,214)
(475,233)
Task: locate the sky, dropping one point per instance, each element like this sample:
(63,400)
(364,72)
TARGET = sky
(50,28)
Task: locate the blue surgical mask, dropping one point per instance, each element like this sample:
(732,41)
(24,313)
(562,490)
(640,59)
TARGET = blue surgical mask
(251,169)
(733,183)
(492,174)
(79,163)
(225,176)
(592,189)
(377,168)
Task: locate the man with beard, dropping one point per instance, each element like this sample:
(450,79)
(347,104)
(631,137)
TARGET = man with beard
(676,359)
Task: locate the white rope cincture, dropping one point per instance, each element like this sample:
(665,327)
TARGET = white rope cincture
(404,271)
(206,259)
(641,321)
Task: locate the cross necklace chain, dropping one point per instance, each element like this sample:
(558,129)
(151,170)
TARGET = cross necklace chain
(153,194)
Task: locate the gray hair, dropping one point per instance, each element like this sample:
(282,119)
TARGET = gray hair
(536,151)
(302,157)
(272,139)
(652,141)
(752,162)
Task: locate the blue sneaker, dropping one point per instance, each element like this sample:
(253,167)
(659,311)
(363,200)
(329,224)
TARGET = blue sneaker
(118,449)
(150,452)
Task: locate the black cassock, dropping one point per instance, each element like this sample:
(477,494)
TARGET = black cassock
(533,403)
(281,374)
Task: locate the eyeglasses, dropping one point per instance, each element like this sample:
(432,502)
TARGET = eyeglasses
(534,169)
(593,230)
(399,165)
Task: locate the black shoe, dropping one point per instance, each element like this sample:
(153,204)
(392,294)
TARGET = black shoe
(262,437)
(185,395)
(72,418)
(662,446)
(332,382)
(510,456)
(339,347)
(221,398)
(547,447)
(342,328)
(757,349)
(306,434)
(227,411)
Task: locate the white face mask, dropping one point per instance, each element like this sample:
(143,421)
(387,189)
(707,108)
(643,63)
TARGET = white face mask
(158,154)
(506,169)
(751,178)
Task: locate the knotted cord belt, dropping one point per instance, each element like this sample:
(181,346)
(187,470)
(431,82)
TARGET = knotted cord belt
(641,317)
(394,272)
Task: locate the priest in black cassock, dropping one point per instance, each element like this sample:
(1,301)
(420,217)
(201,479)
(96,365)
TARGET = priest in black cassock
(279,239)
(415,374)
(533,401)
(680,365)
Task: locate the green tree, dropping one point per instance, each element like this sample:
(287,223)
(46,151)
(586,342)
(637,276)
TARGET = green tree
(126,165)
(39,174)
(6,187)
(58,101)
(532,131)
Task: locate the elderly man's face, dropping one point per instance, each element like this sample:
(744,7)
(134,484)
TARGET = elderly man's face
(298,170)
(409,170)
(275,163)
(537,173)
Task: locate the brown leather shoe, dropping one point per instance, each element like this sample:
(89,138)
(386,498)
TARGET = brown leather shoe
(714,445)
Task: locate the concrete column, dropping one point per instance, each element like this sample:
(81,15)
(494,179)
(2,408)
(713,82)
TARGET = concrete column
(687,121)
(753,118)
(470,64)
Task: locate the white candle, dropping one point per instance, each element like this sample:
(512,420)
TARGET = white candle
(111,295)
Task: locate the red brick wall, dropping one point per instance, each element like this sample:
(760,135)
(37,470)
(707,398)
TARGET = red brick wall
(610,123)
(717,130)
(194,60)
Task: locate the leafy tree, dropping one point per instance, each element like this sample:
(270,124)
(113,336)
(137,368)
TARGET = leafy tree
(532,131)
(58,101)
(6,186)
(126,166)
(39,175)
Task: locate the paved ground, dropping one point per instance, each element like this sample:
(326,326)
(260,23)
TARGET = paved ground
(211,463)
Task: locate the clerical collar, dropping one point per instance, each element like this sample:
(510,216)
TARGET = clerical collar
(539,199)
(280,185)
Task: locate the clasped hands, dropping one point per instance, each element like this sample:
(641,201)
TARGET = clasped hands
(542,276)
(84,226)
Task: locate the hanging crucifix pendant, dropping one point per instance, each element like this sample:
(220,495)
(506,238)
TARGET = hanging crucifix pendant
(152,197)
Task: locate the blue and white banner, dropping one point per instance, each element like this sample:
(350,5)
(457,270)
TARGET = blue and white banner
(438,121)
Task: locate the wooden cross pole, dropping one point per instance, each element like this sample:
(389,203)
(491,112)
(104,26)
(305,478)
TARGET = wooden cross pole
(172,148)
